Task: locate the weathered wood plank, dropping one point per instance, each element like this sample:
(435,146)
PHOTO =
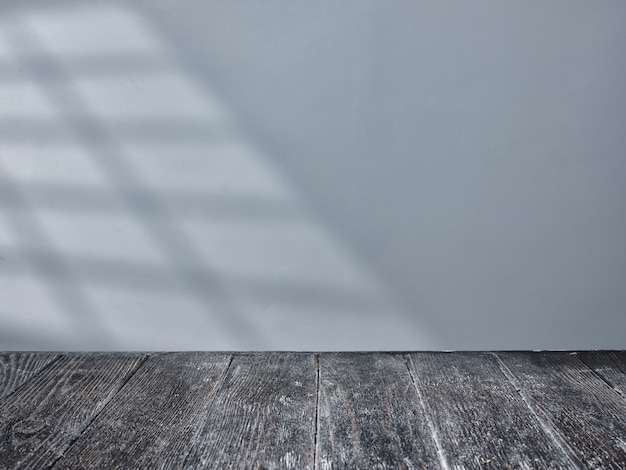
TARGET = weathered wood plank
(584,411)
(262,415)
(43,417)
(479,418)
(370,415)
(150,423)
(17,368)
(290,410)
(610,366)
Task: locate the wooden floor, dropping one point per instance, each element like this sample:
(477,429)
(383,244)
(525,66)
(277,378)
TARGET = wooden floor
(304,410)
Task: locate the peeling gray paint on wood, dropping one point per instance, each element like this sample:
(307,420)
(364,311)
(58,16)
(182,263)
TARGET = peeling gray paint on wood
(307,410)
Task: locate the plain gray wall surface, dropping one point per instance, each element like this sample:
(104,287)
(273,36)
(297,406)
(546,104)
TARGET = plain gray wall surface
(312,175)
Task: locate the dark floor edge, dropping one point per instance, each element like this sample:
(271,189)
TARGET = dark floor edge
(308,352)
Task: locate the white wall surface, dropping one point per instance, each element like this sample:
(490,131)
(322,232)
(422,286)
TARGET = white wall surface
(312,175)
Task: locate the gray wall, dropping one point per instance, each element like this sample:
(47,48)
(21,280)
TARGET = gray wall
(312,175)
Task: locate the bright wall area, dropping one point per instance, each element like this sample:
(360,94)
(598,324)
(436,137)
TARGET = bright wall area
(312,175)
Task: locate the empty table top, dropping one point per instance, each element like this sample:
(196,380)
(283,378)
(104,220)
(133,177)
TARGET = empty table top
(313,410)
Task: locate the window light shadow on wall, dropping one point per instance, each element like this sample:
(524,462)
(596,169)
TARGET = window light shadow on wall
(136,214)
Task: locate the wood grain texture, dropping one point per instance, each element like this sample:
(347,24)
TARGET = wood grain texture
(301,410)
(43,417)
(150,423)
(262,415)
(583,410)
(610,366)
(369,414)
(17,368)
(480,419)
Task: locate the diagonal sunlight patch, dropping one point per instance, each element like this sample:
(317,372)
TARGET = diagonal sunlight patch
(226,252)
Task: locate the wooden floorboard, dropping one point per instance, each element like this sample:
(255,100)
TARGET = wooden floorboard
(586,413)
(313,410)
(151,421)
(610,366)
(45,416)
(16,368)
(472,404)
(370,416)
(262,415)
